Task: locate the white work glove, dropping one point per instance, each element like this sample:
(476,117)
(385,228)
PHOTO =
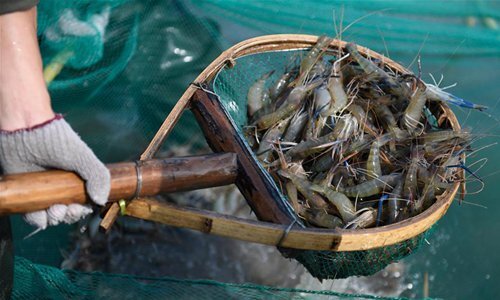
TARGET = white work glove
(54,145)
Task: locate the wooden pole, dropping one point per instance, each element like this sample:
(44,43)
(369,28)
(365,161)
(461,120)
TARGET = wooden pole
(22,193)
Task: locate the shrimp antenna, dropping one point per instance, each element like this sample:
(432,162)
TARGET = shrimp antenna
(419,50)
(33,233)
(342,30)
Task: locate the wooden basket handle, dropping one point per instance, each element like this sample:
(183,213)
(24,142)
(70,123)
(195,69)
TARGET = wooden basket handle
(22,193)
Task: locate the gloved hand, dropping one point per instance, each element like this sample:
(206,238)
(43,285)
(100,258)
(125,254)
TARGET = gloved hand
(54,145)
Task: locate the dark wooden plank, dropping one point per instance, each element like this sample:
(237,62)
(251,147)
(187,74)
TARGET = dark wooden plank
(222,137)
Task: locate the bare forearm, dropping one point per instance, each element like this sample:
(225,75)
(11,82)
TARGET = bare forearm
(24,99)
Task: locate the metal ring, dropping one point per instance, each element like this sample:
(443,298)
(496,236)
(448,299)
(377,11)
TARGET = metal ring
(285,233)
(138,188)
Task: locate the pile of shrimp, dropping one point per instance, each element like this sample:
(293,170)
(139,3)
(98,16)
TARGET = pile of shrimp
(352,143)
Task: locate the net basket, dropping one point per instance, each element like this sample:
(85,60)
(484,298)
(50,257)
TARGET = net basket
(358,252)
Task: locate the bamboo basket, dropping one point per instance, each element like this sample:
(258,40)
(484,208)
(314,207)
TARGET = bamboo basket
(232,163)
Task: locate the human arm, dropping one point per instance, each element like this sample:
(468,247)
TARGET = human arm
(32,136)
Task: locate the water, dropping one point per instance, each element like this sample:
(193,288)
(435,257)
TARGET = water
(463,253)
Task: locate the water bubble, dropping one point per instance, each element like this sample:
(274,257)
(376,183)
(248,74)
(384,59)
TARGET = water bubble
(409,286)
(165,65)
(180,51)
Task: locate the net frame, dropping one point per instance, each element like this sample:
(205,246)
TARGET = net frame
(364,239)
(328,248)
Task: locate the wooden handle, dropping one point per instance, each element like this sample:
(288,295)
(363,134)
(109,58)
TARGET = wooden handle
(22,193)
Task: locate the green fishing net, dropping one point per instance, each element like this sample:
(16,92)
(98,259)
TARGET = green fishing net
(32,280)
(125,63)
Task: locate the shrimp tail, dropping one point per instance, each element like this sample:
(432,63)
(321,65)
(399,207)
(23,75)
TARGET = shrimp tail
(437,94)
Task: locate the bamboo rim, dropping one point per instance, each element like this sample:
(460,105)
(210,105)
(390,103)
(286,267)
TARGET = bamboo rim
(316,239)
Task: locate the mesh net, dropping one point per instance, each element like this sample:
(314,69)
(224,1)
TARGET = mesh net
(331,265)
(125,63)
(51,283)
(231,85)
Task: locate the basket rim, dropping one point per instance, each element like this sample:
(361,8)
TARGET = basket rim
(317,238)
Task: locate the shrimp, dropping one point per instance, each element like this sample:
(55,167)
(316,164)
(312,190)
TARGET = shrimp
(257,94)
(445,135)
(296,126)
(393,203)
(318,69)
(291,191)
(366,219)
(385,115)
(291,104)
(281,84)
(340,201)
(322,100)
(373,163)
(373,167)
(413,113)
(360,115)
(324,162)
(371,187)
(434,93)
(320,218)
(342,130)
(317,119)
(410,184)
(336,89)
(304,187)
(425,199)
(389,84)
(425,177)
(273,135)
(368,66)
(312,56)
